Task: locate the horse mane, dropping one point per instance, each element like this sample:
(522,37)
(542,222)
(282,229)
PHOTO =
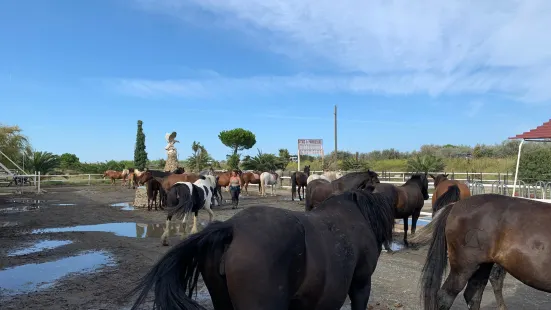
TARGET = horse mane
(378,209)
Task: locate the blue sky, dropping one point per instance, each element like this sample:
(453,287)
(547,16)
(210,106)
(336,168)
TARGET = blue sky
(77,75)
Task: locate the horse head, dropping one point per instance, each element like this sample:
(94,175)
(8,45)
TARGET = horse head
(422,180)
(439,178)
(179,170)
(307,169)
(374,176)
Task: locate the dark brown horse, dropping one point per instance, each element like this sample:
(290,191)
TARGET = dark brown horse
(299,179)
(477,232)
(441,185)
(316,192)
(497,275)
(252,178)
(271,258)
(409,199)
(154,188)
(149,174)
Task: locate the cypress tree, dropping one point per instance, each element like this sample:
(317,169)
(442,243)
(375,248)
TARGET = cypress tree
(140,155)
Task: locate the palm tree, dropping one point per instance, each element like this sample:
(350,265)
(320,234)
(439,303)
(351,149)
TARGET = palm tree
(43,162)
(263,162)
(425,163)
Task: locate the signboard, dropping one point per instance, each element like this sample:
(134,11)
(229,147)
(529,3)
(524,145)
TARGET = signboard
(312,147)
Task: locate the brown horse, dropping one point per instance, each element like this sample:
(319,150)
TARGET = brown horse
(252,178)
(441,185)
(153,188)
(299,179)
(316,192)
(271,258)
(168,181)
(115,175)
(223,180)
(477,232)
(497,275)
(409,199)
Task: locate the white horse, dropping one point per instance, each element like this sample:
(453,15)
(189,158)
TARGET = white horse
(333,175)
(200,195)
(314,176)
(267,178)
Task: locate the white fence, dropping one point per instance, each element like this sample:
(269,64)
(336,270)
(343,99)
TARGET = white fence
(478,182)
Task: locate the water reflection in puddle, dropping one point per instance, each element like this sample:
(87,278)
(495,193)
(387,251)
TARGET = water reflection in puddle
(8,224)
(64,204)
(40,246)
(133,230)
(420,222)
(31,277)
(126,206)
(25,200)
(20,209)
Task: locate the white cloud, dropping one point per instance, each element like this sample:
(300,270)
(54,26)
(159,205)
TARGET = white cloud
(397,47)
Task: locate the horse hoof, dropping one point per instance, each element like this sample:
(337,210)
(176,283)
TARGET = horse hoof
(165,243)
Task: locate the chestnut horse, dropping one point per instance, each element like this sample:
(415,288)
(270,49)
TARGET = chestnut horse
(477,232)
(441,185)
(299,179)
(223,180)
(116,175)
(168,181)
(252,178)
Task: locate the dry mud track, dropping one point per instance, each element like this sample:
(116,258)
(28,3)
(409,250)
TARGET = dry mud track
(117,259)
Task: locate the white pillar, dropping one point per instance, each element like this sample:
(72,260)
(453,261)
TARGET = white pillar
(298,157)
(516,171)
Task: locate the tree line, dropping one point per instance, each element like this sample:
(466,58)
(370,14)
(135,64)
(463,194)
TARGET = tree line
(500,157)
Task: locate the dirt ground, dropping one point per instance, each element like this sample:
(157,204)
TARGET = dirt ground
(114,260)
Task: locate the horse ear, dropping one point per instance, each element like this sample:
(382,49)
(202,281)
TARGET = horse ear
(446,175)
(432,176)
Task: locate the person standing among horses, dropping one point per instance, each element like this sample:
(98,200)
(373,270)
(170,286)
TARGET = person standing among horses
(235,188)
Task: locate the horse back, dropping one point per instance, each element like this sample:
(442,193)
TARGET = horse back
(512,232)
(443,186)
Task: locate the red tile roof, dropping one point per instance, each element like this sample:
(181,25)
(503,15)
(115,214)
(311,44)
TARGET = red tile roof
(540,132)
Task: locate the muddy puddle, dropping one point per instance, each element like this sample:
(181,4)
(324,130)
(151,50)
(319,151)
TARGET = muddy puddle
(8,224)
(38,246)
(32,277)
(126,206)
(63,204)
(127,229)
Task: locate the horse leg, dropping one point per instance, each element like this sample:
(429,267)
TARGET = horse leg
(246,188)
(299,198)
(164,237)
(155,198)
(454,284)
(194,227)
(273,190)
(359,294)
(475,286)
(406,231)
(209,211)
(497,277)
(414,218)
(184,224)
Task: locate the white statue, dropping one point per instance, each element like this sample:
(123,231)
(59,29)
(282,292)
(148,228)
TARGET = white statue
(171,139)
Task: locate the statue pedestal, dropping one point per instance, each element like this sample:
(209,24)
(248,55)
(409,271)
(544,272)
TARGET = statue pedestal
(140,198)
(171,162)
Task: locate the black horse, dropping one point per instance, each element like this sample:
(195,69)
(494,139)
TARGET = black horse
(318,190)
(271,258)
(408,198)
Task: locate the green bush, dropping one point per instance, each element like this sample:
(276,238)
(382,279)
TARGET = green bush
(535,165)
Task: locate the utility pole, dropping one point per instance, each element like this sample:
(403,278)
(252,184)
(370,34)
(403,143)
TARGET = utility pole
(335,132)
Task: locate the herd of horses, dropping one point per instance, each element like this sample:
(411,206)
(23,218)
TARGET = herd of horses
(266,257)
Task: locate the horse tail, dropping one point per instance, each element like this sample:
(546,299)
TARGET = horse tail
(379,210)
(183,193)
(293,184)
(436,261)
(175,275)
(453,194)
